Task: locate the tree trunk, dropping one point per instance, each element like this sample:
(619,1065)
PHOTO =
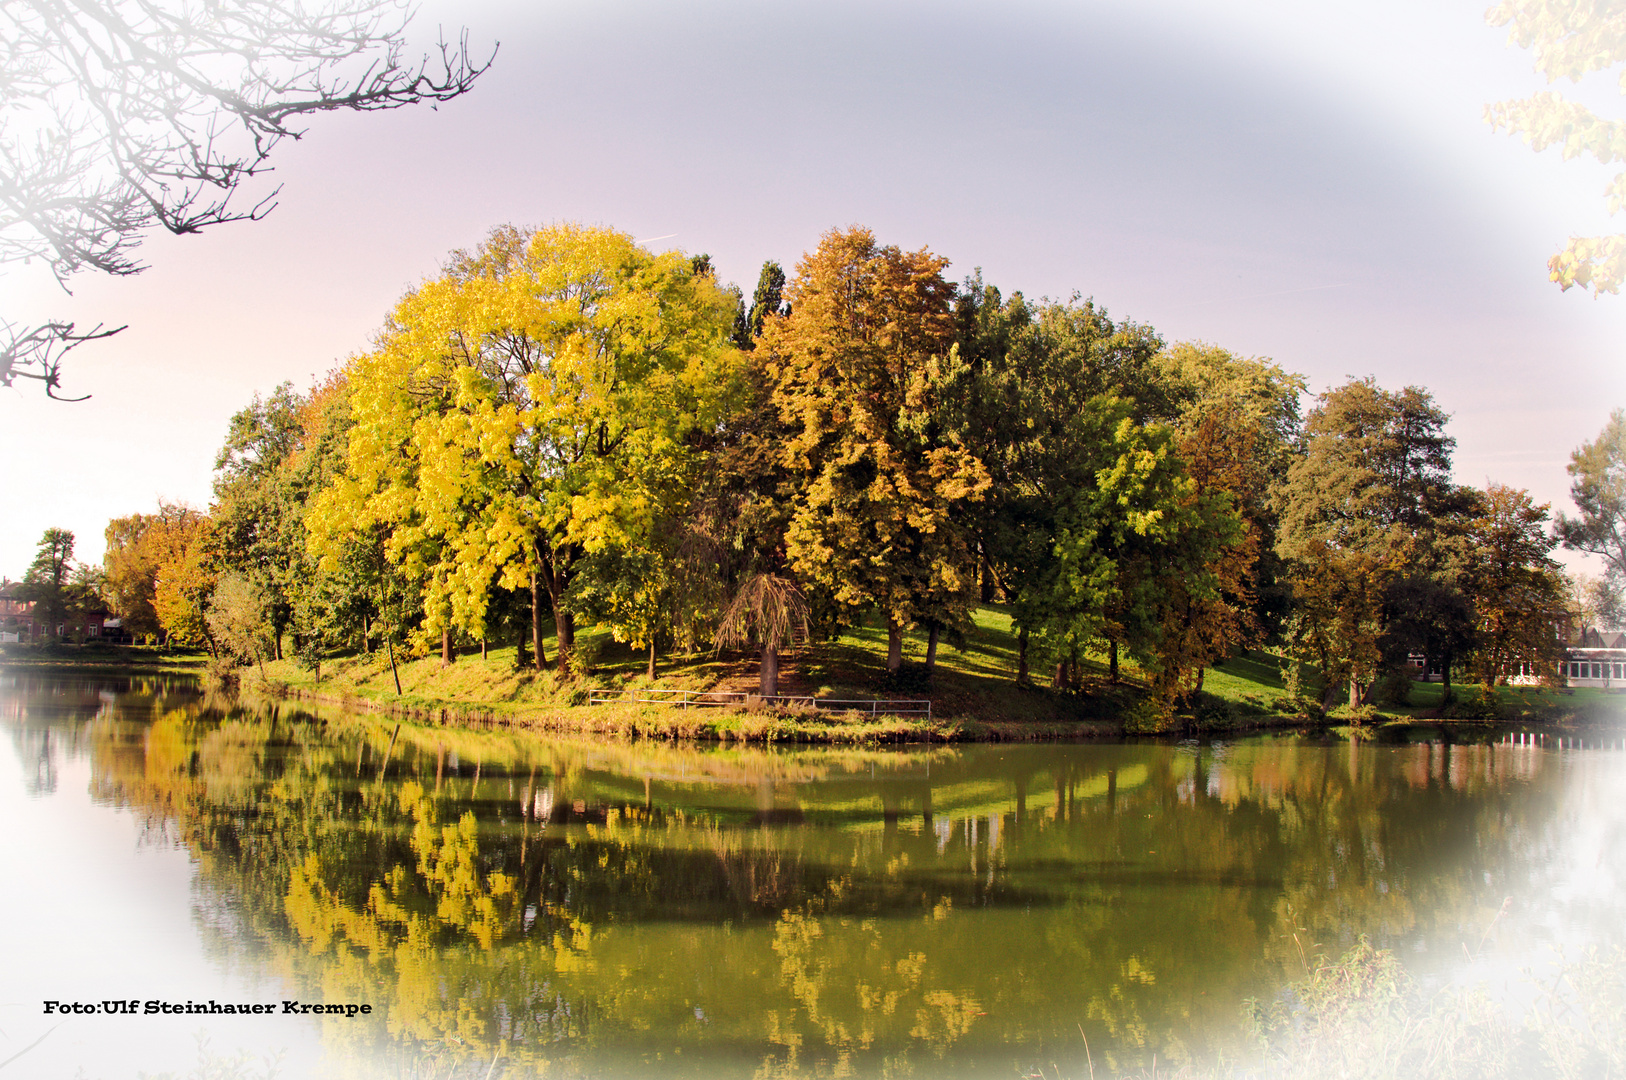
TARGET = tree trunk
(564,626)
(1445,681)
(986,573)
(1112,661)
(651,670)
(482,648)
(1354,690)
(768,683)
(536,623)
(1022,657)
(446,654)
(894,645)
(931,650)
(393,671)
(279,644)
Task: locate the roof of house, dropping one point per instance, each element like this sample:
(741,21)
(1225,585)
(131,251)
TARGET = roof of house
(1593,638)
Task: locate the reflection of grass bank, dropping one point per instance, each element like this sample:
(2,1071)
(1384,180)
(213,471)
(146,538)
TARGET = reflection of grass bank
(1363,1018)
(96,656)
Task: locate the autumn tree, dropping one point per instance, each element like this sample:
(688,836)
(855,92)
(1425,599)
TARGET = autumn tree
(860,370)
(498,418)
(135,548)
(1373,479)
(126,115)
(131,574)
(1518,592)
(1202,583)
(186,580)
(1251,409)
(767,611)
(1571,40)
(237,620)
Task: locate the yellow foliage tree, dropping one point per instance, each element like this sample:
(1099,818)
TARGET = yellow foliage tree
(499,418)
(185,577)
(1571,39)
(859,370)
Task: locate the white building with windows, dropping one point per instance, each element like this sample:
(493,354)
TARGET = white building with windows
(1597,659)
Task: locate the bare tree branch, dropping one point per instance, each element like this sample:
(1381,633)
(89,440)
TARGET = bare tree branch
(36,352)
(120,115)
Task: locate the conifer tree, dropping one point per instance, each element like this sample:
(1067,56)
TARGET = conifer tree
(1361,504)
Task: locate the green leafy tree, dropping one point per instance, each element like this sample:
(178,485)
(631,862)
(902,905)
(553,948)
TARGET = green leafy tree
(1126,522)
(48,581)
(741,518)
(258,526)
(1063,410)
(1599,493)
(767,299)
(1571,39)
(861,369)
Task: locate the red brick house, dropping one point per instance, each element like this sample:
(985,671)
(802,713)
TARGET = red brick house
(22,621)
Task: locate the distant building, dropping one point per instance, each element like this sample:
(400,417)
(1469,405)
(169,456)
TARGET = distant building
(22,621)
(16,615)
(1595,658)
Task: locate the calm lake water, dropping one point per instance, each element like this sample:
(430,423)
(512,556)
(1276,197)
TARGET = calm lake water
(512,905)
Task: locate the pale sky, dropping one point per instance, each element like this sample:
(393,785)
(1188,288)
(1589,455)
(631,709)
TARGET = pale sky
(1312,183)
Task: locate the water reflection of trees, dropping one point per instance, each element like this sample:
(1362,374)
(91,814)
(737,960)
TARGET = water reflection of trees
(792,913)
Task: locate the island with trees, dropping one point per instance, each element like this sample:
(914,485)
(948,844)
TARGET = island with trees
(598,468)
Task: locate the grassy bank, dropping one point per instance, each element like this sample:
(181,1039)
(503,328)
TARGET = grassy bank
(973,692)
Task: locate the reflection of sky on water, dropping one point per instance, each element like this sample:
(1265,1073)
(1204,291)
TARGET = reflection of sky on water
(96,906)
(113,906)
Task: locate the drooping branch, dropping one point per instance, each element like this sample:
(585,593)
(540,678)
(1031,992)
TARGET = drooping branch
(36,352)
(767,610)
